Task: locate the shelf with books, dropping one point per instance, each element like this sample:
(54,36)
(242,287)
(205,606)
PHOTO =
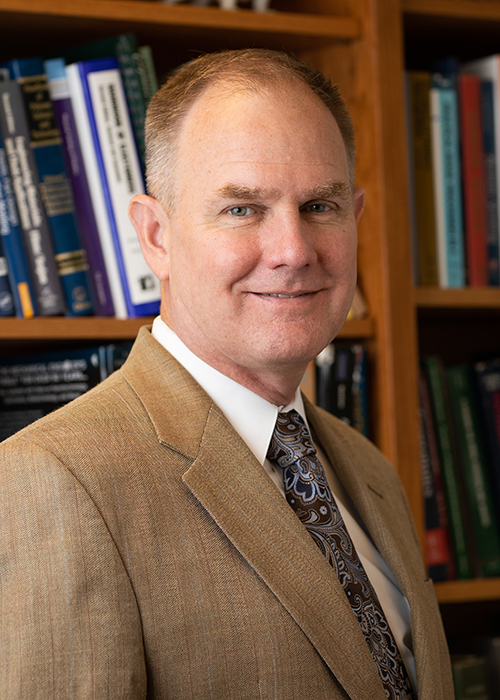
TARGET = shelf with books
(102,328)
(466,298)
(468,591)
(43,22)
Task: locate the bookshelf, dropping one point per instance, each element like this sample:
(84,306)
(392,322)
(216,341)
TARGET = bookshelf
(362,45)
(456,323)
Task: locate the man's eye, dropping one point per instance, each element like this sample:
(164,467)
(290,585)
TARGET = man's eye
(241,211)
(318,208)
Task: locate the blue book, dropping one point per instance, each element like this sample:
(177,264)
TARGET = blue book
(6,298)
(55,188)
(13,244)
(445,137)
(105,130)
(89,233)
(489,146)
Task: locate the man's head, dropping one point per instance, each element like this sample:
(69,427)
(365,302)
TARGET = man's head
(256,250)
(247,69)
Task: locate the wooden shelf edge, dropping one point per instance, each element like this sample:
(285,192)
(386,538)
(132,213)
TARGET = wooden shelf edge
(473,590)
(148,12)
(466,298)
(456,9)
(101,328)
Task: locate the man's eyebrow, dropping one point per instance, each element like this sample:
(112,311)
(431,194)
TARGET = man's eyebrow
(235,191)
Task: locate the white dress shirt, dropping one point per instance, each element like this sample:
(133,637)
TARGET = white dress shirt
(254,419)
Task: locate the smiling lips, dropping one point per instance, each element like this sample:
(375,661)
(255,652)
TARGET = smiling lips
(283,296)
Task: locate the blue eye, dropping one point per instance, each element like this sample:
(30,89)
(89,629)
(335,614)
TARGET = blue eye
(318,208)
(240,211)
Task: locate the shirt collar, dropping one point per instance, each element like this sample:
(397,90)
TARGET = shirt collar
(251,416)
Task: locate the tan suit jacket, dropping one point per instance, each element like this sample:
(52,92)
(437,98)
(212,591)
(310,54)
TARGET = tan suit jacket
(144,553)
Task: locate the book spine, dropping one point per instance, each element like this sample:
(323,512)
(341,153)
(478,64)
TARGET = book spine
(478,488)
(70,257)
(34,225)
(13,244)
(6,298)
(473,181)
(437,537)
(423,177)
(96,187)
(447,182)
(122,178)
(89,234)
(434,374)
(490,177)
(147,73)
(360,418)
(487,381)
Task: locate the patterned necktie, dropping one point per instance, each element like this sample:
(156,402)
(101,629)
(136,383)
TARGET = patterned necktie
(308,493)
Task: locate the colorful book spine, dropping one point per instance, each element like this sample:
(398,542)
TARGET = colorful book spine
(13,244)
(89,234)
(56,192)
(438,554)
(473,178)
(490,177)
(475,473)
(98,85)
(419,85)
(449,466)
(6,298)
(447,181)
(34,225)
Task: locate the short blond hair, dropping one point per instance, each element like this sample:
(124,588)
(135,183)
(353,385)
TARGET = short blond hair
(252,69)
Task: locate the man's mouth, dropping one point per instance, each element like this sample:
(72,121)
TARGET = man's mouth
(282,296)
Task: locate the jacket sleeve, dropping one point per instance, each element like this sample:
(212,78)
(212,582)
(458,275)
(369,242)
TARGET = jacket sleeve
(70,626)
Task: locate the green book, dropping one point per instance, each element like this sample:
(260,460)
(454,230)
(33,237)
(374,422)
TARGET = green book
(449,466)
(475,471)
(470,678)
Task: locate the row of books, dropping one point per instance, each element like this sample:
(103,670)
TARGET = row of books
(460,462)
(33,385)
(454,135)
(71,158)
(475,663)
(337,381)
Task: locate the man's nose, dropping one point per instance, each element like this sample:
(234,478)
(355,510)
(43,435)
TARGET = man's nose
(289,241)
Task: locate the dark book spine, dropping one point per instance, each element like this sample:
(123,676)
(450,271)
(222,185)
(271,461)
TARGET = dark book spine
(6,298)
(489,149)
(34,225)
(56,192)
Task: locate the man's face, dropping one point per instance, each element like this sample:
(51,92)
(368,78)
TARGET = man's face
(262,241)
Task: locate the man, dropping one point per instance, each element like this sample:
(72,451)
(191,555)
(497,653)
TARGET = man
(147,546)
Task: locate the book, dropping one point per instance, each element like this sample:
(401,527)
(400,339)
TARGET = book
(473,178)
(13,245)
(488,69)
(147,73)
(33,385)
(434,373)
(490,178)
(123,47)
(470,677)
(341,384)
(487,381)
(6,298)
(419,85)
(45,142)
(445,141)
(33,221)
(114,175)
(438,555)
(475,473)
(89,234)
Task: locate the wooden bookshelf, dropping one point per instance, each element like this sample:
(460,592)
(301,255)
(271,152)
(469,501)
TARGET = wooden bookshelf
(466,298)
(473,590)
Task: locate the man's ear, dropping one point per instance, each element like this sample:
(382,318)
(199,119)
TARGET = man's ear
(151,223)
(359,203)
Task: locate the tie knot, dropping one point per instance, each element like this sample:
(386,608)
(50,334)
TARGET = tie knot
(290,441)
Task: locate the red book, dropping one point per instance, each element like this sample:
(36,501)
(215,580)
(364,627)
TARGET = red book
(473,174)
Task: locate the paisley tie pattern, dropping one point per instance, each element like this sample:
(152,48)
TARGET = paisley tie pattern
(308,493)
